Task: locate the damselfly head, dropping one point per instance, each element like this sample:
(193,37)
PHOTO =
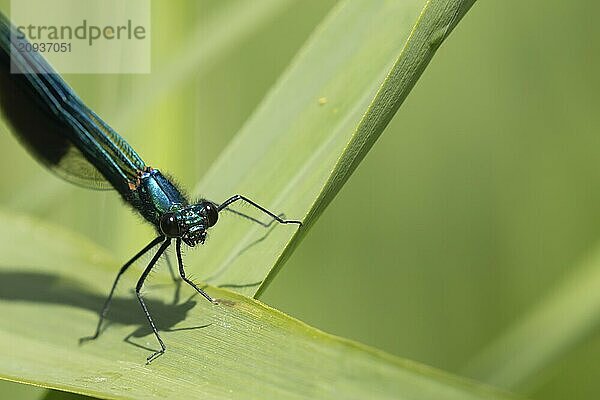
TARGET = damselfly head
(190,222)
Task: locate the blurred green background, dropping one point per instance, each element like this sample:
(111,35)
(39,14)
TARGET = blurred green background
(478,202)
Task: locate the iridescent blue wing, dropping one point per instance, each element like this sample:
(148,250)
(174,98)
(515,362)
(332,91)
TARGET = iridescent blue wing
(55,125)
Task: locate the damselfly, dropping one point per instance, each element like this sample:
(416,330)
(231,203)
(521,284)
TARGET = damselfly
(65,135)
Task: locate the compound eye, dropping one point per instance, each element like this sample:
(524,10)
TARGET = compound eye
(169,225)
(211,212)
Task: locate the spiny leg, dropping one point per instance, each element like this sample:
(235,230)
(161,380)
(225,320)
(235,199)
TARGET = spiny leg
(252,219)
(108,300)
(138,288)
(239,197)
(187,280)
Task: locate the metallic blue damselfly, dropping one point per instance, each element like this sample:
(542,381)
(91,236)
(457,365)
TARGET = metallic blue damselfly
(65,135)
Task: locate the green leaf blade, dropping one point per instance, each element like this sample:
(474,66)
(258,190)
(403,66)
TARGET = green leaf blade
(315,127)
(240,349)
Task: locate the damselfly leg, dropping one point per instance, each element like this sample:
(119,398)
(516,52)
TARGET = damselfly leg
(138,289)
(108,300)
(186,279)
(239,197)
